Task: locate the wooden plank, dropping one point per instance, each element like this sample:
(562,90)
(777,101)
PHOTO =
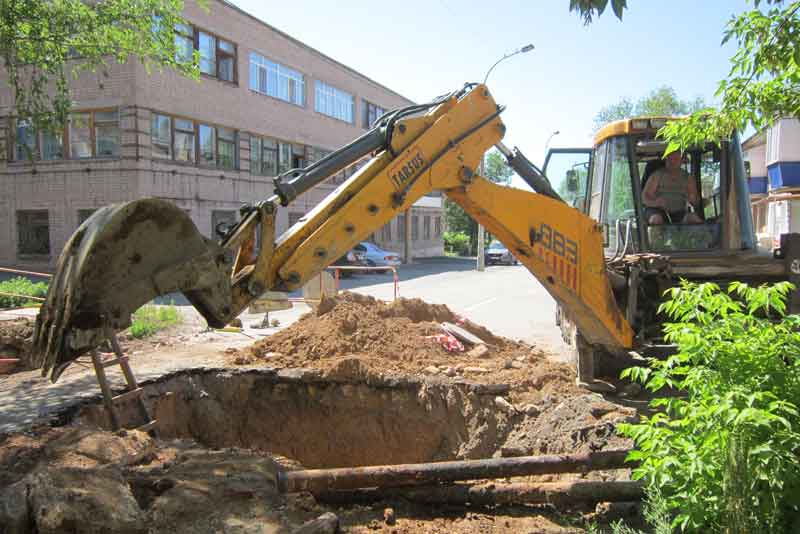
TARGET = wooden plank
(122,397)
(462,334)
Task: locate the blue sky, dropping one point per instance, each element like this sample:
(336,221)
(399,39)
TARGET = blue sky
(425,48)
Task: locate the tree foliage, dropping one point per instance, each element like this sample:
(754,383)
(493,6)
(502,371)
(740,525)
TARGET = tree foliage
(589,9)
(44,44)
(660,101)
(724,454)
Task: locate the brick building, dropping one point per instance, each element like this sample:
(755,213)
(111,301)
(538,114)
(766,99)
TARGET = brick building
(264,103)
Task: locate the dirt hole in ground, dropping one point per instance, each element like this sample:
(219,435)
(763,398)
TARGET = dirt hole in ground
(318,422)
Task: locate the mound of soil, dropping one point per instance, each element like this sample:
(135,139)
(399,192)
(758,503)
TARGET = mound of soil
(16,336)
(400,338)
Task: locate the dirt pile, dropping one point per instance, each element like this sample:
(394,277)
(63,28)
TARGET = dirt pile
(16,336)
(404,337)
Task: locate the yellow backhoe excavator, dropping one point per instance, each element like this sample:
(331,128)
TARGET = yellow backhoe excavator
(584,238)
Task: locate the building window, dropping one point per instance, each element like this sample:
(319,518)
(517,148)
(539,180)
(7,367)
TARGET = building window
(184,140)
(85,214)
(94,133)
(414,228)
(161,135)
(207,46)
(276,80)
(106,133)
(90,134)
(263,156)
(175,138)
(25,141)
(333,102)
(426,227)
(207,145)
(386,232)
(217,57)
(52,145)
(285,154)
(226,148)
(294,217)
(184,43)
(33,232)
(437,227)
(401,227)
(370,114)
(80,135)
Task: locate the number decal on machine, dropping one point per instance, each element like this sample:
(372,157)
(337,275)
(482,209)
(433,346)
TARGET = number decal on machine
(408,167)
(559,252)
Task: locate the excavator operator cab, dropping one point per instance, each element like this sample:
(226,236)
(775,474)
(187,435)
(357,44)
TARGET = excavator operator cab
(607,183)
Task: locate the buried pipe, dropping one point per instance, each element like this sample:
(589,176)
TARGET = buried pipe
(387,476)
(556,493)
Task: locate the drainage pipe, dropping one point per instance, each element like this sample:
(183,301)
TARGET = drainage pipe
(385,476)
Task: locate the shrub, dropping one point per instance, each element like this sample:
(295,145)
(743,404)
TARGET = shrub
(150,319)
(456,242)
(724,454)
(21,286)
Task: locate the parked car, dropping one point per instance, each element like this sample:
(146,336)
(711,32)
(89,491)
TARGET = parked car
(353,258)
(375,256)
(497,252)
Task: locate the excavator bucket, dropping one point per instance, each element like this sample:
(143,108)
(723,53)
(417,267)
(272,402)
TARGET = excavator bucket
(120,258)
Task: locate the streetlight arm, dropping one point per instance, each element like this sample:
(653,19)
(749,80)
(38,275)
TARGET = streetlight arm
(524,49)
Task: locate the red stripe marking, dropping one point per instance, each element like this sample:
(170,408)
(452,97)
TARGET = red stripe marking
(575,278)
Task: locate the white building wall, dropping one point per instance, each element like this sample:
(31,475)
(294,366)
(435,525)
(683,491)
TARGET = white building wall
(783,141)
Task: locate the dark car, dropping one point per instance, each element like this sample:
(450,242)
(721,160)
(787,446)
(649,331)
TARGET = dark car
(497,253)
(352,259)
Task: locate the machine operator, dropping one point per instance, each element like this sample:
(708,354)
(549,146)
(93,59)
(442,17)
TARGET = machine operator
(669,193)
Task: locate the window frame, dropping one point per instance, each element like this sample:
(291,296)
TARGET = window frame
(366,105)
(281,71)
(195,132)
(334,94)
(219,52)
(66,138)
(33,255)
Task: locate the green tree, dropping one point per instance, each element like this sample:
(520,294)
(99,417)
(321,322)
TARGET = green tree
(660,101)
(763,83)
(724,453)
(45,44)
(457,220)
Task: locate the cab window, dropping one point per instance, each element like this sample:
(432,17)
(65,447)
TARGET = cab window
(568,172)
(620,210)
(700,227)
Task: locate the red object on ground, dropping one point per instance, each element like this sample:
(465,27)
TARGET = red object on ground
(450,343)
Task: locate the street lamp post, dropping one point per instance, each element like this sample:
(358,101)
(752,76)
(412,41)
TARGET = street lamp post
(481,263)
(547,144)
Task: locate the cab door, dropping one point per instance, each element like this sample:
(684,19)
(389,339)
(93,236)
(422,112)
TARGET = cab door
(568,170)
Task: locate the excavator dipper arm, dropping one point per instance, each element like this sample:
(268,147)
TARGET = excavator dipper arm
(409,154)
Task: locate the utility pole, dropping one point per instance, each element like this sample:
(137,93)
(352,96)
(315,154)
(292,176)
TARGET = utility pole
(481,261)
(407,239)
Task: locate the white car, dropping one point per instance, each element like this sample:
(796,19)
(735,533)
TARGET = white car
(375,256)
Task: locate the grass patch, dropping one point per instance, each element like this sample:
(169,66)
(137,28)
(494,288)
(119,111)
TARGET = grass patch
(21,286)
(150,319)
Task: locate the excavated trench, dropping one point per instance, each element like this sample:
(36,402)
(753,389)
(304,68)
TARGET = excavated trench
(223,436)
(319,422)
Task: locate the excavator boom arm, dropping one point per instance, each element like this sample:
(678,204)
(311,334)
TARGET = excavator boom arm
(410,155)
